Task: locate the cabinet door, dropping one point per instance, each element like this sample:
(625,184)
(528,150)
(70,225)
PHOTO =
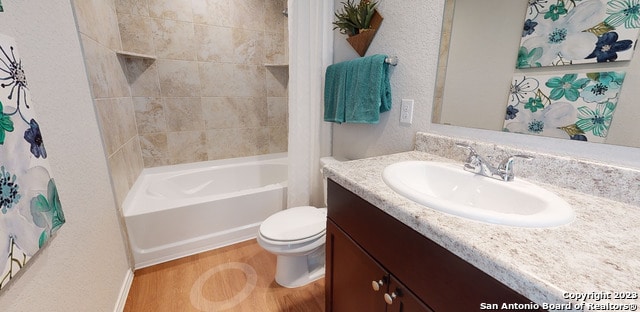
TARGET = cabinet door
(438,277)
(349,276)
(400,299)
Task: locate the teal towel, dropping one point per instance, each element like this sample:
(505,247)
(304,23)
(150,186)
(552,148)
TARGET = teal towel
(357,91)
(335,92)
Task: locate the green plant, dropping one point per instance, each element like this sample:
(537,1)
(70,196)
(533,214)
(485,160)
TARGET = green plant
(352,18)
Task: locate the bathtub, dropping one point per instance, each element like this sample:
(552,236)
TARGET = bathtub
(176,211)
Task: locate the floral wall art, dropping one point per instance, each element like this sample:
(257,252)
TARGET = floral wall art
(30,210)
(577,106)
(565,32)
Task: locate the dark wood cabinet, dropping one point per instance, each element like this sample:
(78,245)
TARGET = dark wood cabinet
(352,273)
(365,245)
(359,283)
(403,299)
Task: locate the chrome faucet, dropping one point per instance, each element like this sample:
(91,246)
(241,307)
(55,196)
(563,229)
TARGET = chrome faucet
(476,164)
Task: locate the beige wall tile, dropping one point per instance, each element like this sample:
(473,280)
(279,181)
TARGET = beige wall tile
(136,34)
(277,80)
(183,114)
(207,96)
(234,112)
(135,7)
(232,80)
(229,143)
(105,72)
(179,10)
(247,14)
(94,60)
(186,146)
(278,111)
(150,116)
(118,86)
(275,48)
(278,139)
(119,175)
(219,113)
(178,78)
(216,78)
(155,151)
(214,43)
(212,12)
(133,160)
(117,122)
(248,46)
(173,40)
(248,80)
(142,75)
(98,20)
(274,20)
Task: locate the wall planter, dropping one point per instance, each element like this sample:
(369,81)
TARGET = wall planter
(360,42)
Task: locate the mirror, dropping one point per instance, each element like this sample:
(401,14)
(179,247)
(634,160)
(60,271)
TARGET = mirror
(478,53)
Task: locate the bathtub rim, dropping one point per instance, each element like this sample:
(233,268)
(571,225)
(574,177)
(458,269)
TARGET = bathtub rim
(206,163)
(147,173)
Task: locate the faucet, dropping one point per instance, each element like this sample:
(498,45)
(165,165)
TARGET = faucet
(478,165)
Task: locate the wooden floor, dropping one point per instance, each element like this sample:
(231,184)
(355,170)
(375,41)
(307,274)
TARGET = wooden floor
(234,278)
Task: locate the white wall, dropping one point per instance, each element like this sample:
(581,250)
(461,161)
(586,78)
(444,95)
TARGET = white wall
(84,266)
(411,30)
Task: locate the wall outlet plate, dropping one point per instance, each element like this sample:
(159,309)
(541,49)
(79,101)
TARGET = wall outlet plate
(406,112)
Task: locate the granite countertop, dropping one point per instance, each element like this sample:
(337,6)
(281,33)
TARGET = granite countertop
(597,255)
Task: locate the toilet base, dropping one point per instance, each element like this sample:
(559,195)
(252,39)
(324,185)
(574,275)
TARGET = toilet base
(297,271)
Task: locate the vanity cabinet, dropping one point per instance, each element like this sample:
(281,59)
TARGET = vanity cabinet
(359,283)
(366,246)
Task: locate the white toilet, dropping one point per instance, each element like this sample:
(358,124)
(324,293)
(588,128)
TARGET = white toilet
(297,236)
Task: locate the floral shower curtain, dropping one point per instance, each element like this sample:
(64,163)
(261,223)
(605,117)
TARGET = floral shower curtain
(30,210)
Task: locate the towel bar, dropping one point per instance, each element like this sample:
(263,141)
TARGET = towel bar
(391,60)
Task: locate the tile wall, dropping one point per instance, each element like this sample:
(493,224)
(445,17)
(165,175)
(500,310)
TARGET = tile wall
(98,27)
(208,94)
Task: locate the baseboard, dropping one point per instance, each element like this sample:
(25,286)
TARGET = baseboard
(124,291)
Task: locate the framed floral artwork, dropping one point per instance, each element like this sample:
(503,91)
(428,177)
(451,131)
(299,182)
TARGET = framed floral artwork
(565,32)
(30,209)
(576,106)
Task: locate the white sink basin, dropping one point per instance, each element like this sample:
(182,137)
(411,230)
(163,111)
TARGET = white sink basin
(448,188)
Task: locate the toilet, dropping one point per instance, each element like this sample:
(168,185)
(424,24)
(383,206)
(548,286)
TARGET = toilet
(297,237)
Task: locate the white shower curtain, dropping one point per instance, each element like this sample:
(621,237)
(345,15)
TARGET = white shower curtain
(310,52)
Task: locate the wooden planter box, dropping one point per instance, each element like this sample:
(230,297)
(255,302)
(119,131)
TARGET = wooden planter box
(361,41)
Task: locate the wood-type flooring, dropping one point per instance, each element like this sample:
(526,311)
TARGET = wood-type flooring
(238,278)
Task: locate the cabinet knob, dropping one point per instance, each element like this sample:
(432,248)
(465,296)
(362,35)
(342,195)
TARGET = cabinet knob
(376,285)
(388,298)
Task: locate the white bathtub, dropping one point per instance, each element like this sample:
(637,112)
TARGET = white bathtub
(175,211)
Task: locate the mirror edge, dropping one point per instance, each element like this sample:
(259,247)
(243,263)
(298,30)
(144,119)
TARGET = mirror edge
(443,59)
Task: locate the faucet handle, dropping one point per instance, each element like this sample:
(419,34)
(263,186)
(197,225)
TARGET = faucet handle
(506,166)
(472,152)
(512,157)
(474,162)
(465,145)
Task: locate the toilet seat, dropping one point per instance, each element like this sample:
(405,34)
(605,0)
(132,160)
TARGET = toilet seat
(294,225)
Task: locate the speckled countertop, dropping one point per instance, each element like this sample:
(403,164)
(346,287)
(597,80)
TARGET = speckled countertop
(598,252)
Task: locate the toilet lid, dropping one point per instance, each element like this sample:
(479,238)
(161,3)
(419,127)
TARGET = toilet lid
(294,224)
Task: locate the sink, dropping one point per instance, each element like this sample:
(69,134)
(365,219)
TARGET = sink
(448,188)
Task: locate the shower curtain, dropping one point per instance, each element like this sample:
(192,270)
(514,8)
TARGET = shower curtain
(310,52)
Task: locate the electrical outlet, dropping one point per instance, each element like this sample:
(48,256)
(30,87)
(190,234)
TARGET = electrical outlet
(406,112)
